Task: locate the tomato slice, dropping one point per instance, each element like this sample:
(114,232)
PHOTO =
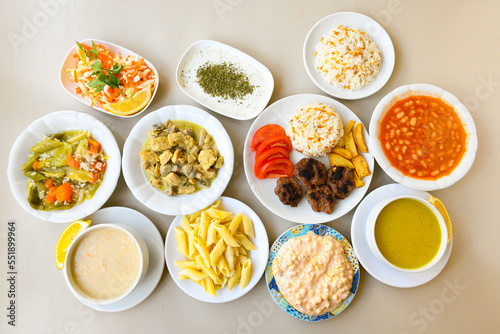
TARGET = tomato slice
(274,168)
(265,132)
(271,152)
(282,141)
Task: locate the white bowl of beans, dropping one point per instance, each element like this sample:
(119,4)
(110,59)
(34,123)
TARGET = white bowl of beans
(423,137)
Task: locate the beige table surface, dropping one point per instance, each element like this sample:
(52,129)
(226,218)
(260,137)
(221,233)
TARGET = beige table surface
(451,44)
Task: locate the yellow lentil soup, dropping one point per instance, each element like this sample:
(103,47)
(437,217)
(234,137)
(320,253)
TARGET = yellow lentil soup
(408,233)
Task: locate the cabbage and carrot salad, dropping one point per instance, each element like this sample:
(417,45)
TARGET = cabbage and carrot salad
(64,169)
(105,78)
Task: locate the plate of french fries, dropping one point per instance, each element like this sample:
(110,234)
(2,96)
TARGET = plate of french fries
(219,253)
(353,151)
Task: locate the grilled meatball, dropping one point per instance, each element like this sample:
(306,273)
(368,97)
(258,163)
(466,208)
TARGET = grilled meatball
(321,199)
(289,191)
(341,181)
(310,172)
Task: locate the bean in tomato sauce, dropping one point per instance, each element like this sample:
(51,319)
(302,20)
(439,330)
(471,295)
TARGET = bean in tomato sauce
(422,137)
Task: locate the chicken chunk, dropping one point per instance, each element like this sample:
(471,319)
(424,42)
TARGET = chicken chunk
(207,158)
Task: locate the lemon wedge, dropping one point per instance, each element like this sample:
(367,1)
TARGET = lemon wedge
(132,105)
(67,236)
(81,54)
(442,210)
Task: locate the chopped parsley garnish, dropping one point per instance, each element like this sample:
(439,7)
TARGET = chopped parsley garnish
(101,76)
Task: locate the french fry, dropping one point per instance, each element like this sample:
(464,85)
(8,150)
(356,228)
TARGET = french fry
(357,181)
(360,166)
(340,161)
(358,137)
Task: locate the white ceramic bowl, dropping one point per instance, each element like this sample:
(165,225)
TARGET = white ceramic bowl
(227,53)
(429,90)
(143,266)
(70,61)
(53,123)
(155,199)
(370,232)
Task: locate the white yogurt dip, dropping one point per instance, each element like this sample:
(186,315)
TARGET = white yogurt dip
(244,108)
(313,274)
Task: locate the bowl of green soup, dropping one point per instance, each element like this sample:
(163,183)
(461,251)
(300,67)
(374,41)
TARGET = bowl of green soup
(407,233)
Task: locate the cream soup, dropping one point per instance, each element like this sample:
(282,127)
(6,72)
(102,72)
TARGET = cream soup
(105,263)
(313,273)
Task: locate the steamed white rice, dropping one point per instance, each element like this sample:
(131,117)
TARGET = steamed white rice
(315,129)
(348,58)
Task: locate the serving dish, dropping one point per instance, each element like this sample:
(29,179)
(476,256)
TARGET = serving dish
(136,179)
(352,20)
(53,123)
(258,256)
(71,60)
(279,113)
(429,90)
(374,266)
(298,231)
(151,236)
(188,63)
(139,243)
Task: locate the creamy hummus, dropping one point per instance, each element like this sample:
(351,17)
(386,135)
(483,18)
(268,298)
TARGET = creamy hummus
(105,263)
(313,273)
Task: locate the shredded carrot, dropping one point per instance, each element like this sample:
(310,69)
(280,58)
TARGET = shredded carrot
(95,176)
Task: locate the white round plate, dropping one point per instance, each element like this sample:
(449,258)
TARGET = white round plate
(434,91)
(375,267)
(258,256)
(53,123)
(363,23)
(152,237)
(302,230)
(264,89)
(155,199)
(280,112)
(71,62)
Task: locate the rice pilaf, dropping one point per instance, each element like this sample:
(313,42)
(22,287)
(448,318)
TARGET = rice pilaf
(348,58)
(315,129)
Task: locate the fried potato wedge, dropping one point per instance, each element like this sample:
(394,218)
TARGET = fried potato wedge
(343,152)
(359,138)
(360,166)
(340,161)
(357,181)
(349,127)
(350,145)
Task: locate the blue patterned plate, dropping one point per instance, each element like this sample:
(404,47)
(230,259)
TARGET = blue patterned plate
(298,231)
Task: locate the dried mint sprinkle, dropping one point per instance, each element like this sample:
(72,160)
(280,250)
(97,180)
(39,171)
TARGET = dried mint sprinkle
(223,80)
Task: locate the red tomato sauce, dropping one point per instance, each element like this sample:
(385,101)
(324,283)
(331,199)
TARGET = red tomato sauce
(422,137)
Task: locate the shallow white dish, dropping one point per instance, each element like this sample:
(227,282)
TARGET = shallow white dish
(70,62)
(280,113)
(53,123)
(374,266)
(424,89)
(152,237)
(136,179)
(352,20)
(214,103)
(258,256)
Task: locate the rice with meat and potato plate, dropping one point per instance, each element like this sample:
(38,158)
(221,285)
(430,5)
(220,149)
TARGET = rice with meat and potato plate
(315,129)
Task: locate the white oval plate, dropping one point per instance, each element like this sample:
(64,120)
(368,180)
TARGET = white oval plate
(136,179)
(53,123)
(352,20)
(152,237)
(375,267)
(258,256)
(280,113)
(70,62)
(434,91)
(213,103)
